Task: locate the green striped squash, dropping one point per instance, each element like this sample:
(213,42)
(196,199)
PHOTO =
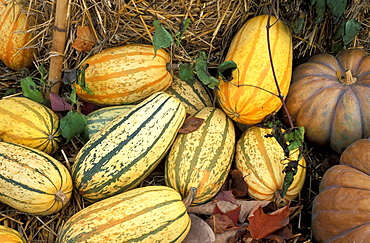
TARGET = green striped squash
(194,96)
(145,214)
(96,120)
(126,150)
(32,181)
(202,159)
(261,160)
(125,75)
(9,235)
(29,123)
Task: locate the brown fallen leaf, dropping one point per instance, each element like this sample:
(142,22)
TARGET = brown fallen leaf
(57,103)
(220,222)
(232,214)
(235,183)
(262,224)
(200,231)
(191,124)
(85,39)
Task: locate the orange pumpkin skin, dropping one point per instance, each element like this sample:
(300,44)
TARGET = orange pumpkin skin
(330,98)
(125,75)
(248,103)
(14,24)
(341,209)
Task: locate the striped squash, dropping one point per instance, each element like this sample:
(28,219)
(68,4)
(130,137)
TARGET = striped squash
(261,160)
(32,181)
(9,235)
(194,96)
(202,159)
(145,214)
(29,123)
(250,102)
(126,150)
(125,75)
(14,24)
(96,120)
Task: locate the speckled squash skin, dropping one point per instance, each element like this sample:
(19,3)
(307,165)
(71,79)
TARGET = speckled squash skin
(125,75)
(245,98)
(261,160)
(145,214)
(202,158)
(9,235)
(33,181)
(14,29)
(29,123)
(340,212)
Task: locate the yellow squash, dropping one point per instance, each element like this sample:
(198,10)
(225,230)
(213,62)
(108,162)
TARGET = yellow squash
(247,98)
(9,235)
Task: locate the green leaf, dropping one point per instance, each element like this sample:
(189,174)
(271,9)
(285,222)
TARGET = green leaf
(288,180)
(73,96)
(320,10)
(201,69)
(31,91)
(339,32)
(10,92)
(294,137)
(351,30)
(225,70)
(337,7)
(183,27)
(187,73)
(72,124)
(297,25)
(81,81)
(162,38)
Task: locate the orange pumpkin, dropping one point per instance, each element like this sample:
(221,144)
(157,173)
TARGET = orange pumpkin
(330,98)
(15,38)
(247,98)
(341,209)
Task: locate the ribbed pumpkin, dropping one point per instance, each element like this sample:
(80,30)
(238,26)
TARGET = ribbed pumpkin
(125,75)
(193,96)
(202,158)
(145,214)
(340,211)
(330,98)
(126,150)
(243,98)
(32,181)
(96,120)
(14,29)
(27,122)
(261,160)
(9,235)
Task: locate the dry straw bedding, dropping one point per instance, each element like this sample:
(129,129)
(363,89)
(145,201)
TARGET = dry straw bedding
(119,22)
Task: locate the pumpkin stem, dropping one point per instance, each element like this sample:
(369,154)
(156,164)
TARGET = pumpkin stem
(61,197)
(348,78)
(190,197)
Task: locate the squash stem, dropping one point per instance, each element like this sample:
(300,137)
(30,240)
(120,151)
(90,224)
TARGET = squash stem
(348,78)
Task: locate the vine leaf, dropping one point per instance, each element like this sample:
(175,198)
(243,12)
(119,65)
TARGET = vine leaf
(294,137)
(225,70)
(30,90)
(162,38)
(186,73)
(201,68)
(72,124)
(337,7)
(183,27)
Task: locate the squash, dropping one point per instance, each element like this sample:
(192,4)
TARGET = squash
(202,158)
(145,214)
(125,75)
(29,123)
(261,160)
(330,98)
(340,212)
(32,181)
(15,47)
(126,150)
(247,98)
(96,120)
(194,96)
(9,235)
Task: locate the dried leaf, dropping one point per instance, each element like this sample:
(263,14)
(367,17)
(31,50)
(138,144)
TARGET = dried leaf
(219,222)
(232,214)
(225,196)
(57,103)
(85,39)
(238,185)
(200,231)
(261,224)
(191,124)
